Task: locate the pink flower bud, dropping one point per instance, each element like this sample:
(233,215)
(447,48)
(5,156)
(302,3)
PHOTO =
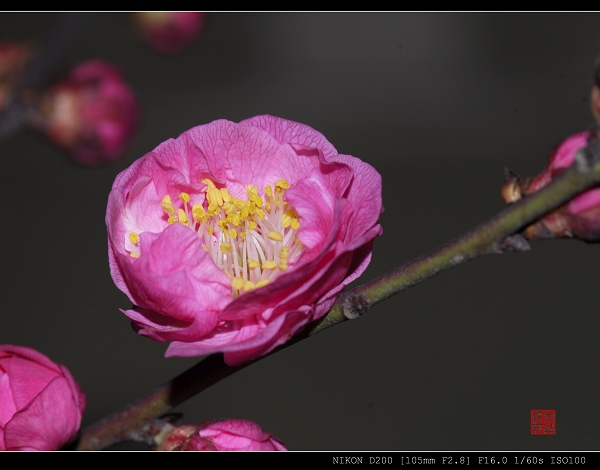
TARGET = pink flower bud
(40,403)
(92,113)
(233,237)
(170,31)
(233,434)
(579,218)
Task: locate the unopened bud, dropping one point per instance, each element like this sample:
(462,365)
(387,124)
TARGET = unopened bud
(512,187)
(169,31)
(578,218)
(232,434)
(13,57)
(92,113)
(41,404)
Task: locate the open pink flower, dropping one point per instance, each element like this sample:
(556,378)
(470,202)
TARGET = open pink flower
(40,403)
(232,434)
(92,113)
(579,218)
(232,237)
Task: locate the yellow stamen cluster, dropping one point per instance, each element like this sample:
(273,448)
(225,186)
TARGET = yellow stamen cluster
(252,241)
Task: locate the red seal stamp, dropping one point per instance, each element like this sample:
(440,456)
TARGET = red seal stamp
(543,422)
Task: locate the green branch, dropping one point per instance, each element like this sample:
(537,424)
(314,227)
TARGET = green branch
(498,235)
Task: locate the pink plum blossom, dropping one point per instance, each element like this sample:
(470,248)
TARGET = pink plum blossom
(92,113)
(232,434)
(170,31)
(40,403)
(233,237)
(579,218)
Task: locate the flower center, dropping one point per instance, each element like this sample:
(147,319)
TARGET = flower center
(252,241)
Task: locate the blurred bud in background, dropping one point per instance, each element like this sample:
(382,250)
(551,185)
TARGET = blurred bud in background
(92,113)
(169,31)
(13,57)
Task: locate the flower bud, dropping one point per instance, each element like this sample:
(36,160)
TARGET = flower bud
(40,403)
(580,217)
(13,57)
(92,113)
(233,434)
(512,188)
(169,31)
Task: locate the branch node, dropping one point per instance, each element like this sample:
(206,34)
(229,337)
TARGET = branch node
(154,428)
(583,159)
(588,156)
(514,243)
(354,306)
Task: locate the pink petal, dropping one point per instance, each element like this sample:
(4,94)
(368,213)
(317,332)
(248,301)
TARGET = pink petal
(40,403)
(27,379)
(238,434)
(244,340)
(177,277)
(364,197)
(290,132)
(47,423)
(564,156)
(7,403)
(586,201)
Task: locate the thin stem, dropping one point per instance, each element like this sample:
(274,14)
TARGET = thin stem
(497,235)
(39,70)
(124,424)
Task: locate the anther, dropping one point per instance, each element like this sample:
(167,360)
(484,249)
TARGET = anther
(167,206)
(237,283)
(276,236)
(282,184)
(252,264)
(183,220)
(270,265)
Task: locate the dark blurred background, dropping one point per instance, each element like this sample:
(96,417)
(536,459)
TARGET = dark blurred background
(439,104)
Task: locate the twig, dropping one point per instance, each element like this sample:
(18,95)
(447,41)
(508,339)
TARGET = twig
(39,70)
